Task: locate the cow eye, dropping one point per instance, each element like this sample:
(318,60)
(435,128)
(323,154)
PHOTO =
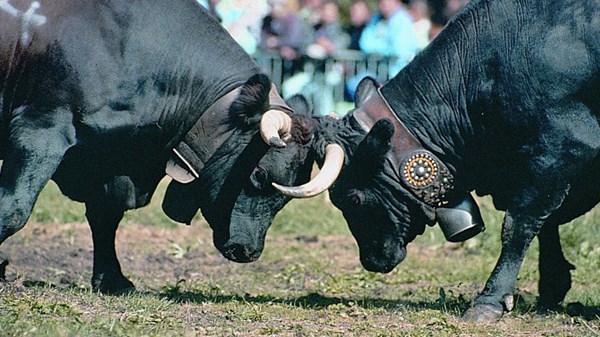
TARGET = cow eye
(354,198)
(258,177)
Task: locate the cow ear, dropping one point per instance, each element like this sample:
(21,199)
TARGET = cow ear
(300,105)
(372,150)
(303,125)
(379,140)
(366,88)
(247,108)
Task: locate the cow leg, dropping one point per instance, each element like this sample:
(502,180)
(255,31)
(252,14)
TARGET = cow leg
(497,296)
(36,146)
(539,202)
(555,270)
(107,276)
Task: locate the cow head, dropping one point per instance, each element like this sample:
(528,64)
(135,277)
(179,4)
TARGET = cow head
(241,211)
(382,215)
(235,190)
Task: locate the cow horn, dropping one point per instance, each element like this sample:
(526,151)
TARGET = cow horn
(273,124)
(332,166)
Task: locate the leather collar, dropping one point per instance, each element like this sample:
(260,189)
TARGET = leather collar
(424,174)
(208,134)
(201,142)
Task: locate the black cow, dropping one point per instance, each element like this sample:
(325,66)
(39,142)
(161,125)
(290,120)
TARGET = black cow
(103,96)
(240,205)
(504,102)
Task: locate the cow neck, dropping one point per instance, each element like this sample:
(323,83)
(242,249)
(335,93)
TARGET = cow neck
(424,174)
(202,140)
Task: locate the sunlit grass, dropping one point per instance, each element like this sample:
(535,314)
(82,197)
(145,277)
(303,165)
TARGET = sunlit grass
(308,282)
(53,207)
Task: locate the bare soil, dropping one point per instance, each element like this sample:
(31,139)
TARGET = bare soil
(60,256)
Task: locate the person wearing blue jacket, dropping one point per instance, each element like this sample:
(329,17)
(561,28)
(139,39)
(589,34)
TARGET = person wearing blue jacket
(390,33)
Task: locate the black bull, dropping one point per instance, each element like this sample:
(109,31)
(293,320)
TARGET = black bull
(504,102)
(95,95)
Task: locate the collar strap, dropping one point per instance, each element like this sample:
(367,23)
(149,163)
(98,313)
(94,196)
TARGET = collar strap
(208,134)
(204,138)
(276,102)
(424,174)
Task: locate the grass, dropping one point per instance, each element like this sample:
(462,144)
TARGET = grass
(308,282)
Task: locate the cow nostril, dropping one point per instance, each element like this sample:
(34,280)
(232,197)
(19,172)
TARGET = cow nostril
(239,253)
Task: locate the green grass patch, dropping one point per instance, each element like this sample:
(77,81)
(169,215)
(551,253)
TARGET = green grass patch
(308,282)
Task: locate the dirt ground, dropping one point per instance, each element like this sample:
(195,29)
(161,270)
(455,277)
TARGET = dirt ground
(62,255)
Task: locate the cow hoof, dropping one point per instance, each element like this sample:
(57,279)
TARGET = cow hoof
(483,313)
(3,264)
(546,307)
(116,285)
(575,309)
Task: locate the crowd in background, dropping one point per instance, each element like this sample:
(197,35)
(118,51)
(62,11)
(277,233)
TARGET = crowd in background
(297,30)
(294,28)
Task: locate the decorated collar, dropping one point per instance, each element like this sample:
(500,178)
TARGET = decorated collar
(424,174)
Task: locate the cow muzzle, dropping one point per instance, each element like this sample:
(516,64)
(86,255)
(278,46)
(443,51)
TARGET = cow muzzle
(382,263)
(240,253)
(241,249)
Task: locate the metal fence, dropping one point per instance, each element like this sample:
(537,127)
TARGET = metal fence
(328,82)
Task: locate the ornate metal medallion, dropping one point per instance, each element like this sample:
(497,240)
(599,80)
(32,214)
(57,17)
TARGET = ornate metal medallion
(424,174)
(420,169)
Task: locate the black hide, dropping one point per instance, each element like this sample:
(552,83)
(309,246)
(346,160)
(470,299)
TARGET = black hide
(507,96)
(95,94)
(240,205)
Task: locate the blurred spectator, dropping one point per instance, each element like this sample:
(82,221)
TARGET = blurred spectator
(438,21)
(359,16)
(390,33)
(329,37)
(453,7)
(310,11)
(284,33)
(211,6)
(318,79)
(243,19)
(419,11)
(441,11)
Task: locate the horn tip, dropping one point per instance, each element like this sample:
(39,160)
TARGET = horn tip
(277,142)
(280,188)
(293,192)
(286,190)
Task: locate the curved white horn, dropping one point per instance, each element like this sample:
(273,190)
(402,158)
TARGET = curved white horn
(332,166)
(273,124)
